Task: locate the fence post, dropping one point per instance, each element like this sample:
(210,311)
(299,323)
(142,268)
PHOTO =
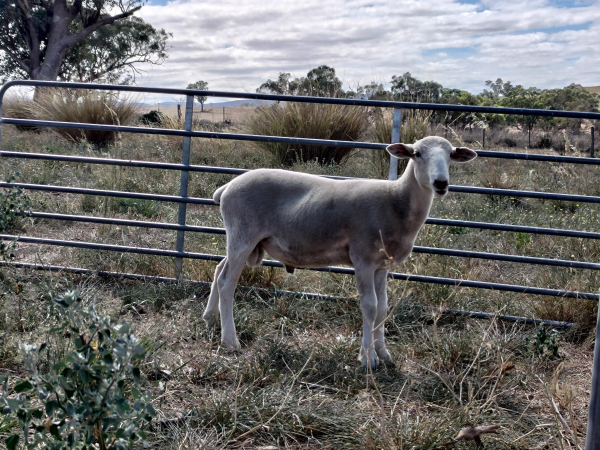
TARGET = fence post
(591,146)
(179,112)
(483,143)
(592,441)
(396,124)
(1,98)
(183,188)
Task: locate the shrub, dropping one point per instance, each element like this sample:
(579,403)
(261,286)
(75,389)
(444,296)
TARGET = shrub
(89,398)
(507,142)
(309,120)
(153,117)
(545,141)
(71,105)
(13,203)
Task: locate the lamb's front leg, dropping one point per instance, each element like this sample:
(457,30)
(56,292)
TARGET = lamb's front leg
(365,282)
(382,310)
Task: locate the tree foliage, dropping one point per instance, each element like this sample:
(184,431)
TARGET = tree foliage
(82,40)
(319,82)
(201,86)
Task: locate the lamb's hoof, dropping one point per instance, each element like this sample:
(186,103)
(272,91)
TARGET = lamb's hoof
(231,345)
(369,361)
(210,319)
(385,357)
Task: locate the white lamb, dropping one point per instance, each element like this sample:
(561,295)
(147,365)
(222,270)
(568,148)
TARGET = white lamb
(309,221)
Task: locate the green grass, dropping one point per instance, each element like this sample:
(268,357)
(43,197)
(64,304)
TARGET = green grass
(297,378)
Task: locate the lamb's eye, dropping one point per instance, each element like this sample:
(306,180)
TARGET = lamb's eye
(417,155)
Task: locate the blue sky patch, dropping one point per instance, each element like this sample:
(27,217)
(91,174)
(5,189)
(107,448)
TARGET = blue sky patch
(552,30)
(570,3)
(455,52)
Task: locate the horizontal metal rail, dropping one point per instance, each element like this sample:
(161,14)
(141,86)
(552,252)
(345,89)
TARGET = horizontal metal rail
(429,221)
(282,292)
(279,139)
(416,249)
(502,257)
(122,162)
(340,270)
(124,222)
(527,194)
(204,201)
(307,99)
(107,193)
(155,165)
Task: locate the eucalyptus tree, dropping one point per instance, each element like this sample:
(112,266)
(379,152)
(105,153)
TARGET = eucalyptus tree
(75,40)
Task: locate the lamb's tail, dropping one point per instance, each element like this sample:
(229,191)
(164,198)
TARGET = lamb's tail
(218,193)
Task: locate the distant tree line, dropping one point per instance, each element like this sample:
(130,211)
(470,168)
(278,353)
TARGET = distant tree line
(322,81)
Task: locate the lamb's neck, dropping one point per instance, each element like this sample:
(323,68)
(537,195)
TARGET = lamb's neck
(414,196)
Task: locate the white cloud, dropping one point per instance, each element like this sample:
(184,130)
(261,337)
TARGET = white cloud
(238,45)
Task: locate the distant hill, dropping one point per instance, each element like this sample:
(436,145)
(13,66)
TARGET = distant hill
(593,89)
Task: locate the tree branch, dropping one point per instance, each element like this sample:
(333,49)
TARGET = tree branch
(73,39)
(34,42)
(15,58)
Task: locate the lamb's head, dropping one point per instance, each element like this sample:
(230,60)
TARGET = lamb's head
(431,157)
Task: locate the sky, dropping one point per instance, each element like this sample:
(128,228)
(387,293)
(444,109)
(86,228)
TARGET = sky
(237,45)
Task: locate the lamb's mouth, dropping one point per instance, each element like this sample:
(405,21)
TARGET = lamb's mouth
(441,192)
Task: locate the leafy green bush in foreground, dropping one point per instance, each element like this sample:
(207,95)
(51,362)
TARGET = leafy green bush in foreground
(89,396)
(13,202)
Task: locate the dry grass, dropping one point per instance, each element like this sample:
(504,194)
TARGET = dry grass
(297,383)
(593,89)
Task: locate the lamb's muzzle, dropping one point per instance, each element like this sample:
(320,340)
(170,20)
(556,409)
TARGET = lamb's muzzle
(308,221)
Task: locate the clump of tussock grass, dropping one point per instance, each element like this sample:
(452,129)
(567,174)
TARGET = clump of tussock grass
(20,106)
(72,105)
(309,120)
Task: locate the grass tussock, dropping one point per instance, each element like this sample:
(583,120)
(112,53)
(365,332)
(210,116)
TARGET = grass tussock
(309,120)
(72,105)
(19,106)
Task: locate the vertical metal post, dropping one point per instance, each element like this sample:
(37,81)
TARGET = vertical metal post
(591,145)
(179,112)
(183,188)
(396,124)
(483,142)
(1,98)
(592,441)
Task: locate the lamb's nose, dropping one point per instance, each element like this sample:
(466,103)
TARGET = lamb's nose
(440,184)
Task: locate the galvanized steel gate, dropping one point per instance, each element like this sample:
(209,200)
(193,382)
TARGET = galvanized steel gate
(183,199)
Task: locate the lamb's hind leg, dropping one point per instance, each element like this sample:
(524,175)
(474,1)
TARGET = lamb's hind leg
(212,307)
(382,306)
(226,282)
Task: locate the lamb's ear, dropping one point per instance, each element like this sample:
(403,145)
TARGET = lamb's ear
(462,154)
(401,150)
